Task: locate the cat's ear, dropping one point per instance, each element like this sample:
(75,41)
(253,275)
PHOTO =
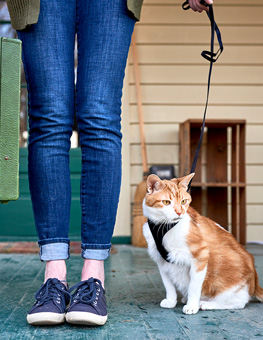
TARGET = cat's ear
(184,181)
(154,183)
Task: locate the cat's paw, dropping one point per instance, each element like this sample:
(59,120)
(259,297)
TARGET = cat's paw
(165,303)
(190,309)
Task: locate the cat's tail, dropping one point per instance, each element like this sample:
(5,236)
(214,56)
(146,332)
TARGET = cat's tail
(258,290)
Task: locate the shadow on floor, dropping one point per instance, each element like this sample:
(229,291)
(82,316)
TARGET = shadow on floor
(134,291)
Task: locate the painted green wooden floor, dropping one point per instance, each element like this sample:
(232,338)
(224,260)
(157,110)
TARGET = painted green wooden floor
(134,290)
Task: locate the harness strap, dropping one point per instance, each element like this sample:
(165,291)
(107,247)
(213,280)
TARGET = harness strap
(211,57)
(158,231)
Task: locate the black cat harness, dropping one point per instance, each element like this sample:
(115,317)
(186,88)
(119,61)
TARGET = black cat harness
(158,231)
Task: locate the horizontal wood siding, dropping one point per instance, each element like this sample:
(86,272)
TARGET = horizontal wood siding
(174,81)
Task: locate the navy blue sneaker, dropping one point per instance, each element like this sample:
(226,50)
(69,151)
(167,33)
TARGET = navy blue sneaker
(50,306)
(88,305)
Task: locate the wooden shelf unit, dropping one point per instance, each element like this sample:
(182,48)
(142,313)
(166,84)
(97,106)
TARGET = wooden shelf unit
(212,188)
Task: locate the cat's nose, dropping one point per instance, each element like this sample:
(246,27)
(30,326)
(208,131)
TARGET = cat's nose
(178,213)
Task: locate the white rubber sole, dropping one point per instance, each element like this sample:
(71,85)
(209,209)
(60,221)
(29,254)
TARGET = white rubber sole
(84,318)
(45,318)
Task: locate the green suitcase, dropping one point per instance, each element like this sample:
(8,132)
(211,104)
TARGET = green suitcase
(10,75)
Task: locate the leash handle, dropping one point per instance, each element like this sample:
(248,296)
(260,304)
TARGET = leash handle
(211,57)
(186,5)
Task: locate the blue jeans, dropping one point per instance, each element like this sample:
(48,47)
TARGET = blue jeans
(104,30)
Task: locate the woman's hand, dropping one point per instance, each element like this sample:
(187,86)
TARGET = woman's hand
(197,7)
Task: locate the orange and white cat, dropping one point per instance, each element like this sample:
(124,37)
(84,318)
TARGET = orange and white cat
(205,264)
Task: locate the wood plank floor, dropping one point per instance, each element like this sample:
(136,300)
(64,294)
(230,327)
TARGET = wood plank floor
(134,291)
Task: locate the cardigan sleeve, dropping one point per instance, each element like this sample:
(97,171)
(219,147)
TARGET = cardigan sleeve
(135,6)
(23,12)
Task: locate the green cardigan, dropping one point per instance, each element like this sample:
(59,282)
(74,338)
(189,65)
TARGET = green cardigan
(26,12)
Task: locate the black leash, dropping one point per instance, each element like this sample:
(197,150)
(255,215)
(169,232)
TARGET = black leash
(211,57)
(158,230)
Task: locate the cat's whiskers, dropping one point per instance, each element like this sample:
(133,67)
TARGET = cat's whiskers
(165,225)
(160,227)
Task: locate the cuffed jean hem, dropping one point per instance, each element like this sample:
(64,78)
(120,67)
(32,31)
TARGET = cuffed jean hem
(54,251)
(95,252)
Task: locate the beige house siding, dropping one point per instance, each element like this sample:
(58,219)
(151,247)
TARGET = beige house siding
(174,81)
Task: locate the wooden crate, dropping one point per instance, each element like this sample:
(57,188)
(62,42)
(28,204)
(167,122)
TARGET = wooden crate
(213,188)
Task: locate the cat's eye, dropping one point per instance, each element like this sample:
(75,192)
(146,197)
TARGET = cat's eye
(166,202)
(183,202)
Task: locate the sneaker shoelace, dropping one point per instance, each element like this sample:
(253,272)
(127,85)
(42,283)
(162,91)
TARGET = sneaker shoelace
(86,291)
(52,290)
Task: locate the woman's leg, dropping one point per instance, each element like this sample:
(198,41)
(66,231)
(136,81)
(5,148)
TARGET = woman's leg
(48,55)
(104,30)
